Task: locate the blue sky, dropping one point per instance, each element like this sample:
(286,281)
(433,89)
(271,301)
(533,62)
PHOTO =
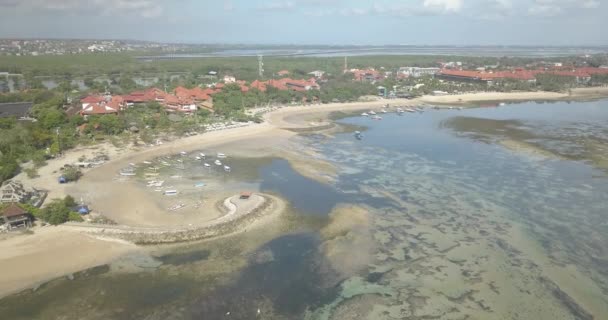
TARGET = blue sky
(416,22)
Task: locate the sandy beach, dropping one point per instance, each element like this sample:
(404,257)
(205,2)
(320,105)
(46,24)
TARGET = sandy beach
(61,250)
(51,252)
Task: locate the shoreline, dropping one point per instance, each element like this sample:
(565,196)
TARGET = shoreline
(280,124)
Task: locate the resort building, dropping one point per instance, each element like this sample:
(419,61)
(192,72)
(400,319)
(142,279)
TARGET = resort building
(417,72)
(317,74)
(16,217)
(365,75)
(580,75)
(283,73)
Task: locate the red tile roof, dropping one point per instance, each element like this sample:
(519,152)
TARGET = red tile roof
(196,93)
(13,210)
(99,109)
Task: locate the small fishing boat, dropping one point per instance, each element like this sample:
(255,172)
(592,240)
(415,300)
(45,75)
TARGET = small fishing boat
(459,108)
(199,185)
(365,114)
(176,207)
(218,163)
(171,192)
(183,153)
(197,158)
(127,173)
(410,110)
(147,162)
(372,112)
(202,155)
(400,111)
(383,111)
(502,104)
(358,135)
(227,168)
(207,165)
(221,156)
(376,118)
(155,183)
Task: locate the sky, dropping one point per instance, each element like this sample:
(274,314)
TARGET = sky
(333,22)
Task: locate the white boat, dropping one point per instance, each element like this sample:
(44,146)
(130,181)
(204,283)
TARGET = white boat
(365,114)
(197,158)
(207,165)
(376,118)
(202,155)
(227,168)
(399,110)
(221,156)
(502,104)
(218,163)
(183,153)
(410,110)
(147,162)
(383,111)
(176,207)
(170,192)
(372,112)
(127,173)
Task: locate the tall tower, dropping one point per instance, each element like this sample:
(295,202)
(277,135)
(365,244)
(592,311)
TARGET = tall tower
(345,64)
(261,66)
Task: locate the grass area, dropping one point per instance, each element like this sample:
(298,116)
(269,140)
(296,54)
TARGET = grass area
(243,67)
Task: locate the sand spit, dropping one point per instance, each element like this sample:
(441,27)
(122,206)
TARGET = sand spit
(239,215)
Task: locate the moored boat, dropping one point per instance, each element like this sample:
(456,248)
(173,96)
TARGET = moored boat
(171,192)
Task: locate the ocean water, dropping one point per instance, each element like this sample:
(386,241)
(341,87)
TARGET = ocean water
(459,225)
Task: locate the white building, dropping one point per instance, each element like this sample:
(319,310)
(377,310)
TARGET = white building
(317,73)
(229,79)
(417,71)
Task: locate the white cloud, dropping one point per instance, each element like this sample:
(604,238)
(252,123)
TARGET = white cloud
(143,8)
(591,4)
(279,5)
(443,5)
(551,8)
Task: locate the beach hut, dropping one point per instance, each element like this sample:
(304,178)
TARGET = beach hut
(14,216)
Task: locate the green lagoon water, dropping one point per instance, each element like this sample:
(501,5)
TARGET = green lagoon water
(461,227)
